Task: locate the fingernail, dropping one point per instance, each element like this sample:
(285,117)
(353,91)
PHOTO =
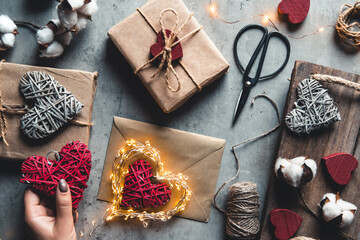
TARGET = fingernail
(74,216)
(63,186)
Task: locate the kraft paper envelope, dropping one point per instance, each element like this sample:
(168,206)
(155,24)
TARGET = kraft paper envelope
(196,156)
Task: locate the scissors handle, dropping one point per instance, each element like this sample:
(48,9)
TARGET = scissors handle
(263,44)
(247,80)
(285,40)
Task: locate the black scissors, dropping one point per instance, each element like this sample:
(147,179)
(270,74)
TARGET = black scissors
(250,82)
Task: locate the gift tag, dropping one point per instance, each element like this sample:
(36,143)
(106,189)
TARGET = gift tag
(296,10)
(340,165)
(286,223)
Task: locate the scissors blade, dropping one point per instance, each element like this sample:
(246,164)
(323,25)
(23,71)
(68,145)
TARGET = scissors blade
(244,94)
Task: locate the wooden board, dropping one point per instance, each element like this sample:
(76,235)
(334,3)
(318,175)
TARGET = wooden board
(343,136)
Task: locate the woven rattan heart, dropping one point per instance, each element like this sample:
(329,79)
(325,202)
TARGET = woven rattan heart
(139,189)
(314,108)
(53,107)
(73,165)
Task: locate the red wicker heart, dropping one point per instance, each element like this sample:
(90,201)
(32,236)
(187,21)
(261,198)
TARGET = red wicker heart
(155,49)
(139,191)
(73,165)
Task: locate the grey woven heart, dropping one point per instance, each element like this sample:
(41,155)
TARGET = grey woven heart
(314,108)
(53,107)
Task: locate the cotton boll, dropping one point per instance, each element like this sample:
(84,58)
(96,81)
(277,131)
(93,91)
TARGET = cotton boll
(298,160)
(7,25)
(64,38)
(82,21)
(45,36)
(57,27)
(330,211)
(292,174)
(345,206)
(67,18)
(312,165)
(8,39)
(330,196)
(333,206)
(347,218)
(73,4)
(55,49)
(281,162)
(89,9)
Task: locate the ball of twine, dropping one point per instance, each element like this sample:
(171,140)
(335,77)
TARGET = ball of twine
(242,212)
(346,24)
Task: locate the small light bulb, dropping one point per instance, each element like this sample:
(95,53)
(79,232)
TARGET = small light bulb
(321,29)
(266,18)
(212,9)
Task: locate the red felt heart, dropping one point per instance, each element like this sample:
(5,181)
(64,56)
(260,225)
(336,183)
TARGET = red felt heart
(155,49)
(139,191)
(286,223)
(340,166)
(296,10)
(73,165)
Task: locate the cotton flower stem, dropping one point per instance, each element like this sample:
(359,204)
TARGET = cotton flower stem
(307,206)
(338,231)
(25,23)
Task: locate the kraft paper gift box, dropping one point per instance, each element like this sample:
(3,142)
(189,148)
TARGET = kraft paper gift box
(201,59)
(80,83)
(196,156)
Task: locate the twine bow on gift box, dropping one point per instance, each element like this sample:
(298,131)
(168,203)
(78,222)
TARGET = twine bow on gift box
(170,41)
(8,109)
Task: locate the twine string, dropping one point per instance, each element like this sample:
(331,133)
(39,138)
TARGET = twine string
(243,204)
(247,141)
(169,42)
(336,80)
(8,109)
(345,28)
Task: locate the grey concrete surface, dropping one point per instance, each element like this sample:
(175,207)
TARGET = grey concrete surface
(120,93)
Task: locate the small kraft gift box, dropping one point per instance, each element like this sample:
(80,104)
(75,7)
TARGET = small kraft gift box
(169,51)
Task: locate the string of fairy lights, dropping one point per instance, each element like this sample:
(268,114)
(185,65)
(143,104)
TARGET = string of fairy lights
(213,10)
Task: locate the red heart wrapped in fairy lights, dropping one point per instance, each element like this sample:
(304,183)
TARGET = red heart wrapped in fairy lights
(158,47)
(73,165)
(139,191)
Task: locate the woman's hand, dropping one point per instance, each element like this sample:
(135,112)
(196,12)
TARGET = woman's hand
(45,223)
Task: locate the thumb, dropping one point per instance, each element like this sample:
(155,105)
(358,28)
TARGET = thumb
(64,217)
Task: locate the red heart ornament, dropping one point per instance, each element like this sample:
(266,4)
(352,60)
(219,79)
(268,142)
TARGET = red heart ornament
(139,191)
(340,165)
(73,165)
(296,10)
(155,49)
(286,223)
